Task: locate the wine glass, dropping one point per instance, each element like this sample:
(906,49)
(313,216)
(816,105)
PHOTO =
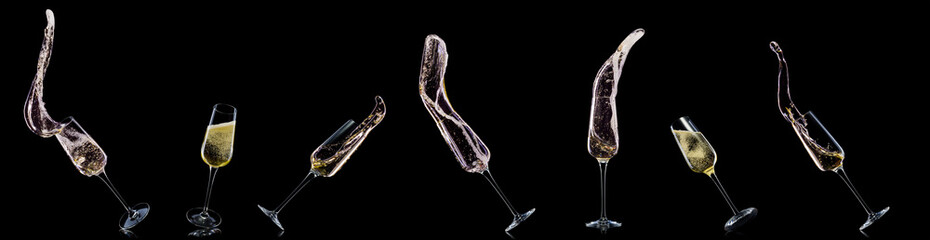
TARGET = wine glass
(468,148)
(216,151)
(701,157)
(602,128)
(329,157)
(84,152)
(819,143)
(90,160)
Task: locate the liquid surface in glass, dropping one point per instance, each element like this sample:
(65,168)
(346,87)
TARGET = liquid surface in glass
(218,144)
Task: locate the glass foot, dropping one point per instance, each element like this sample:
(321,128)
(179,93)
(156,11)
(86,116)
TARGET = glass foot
(518,219)
(274,217)
(139,212)
(874,217)
(208,219)
(603,224)
(127,233)
(741,218)
(205,232)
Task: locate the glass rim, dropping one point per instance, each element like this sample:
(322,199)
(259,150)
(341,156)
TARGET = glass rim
(225,109)
(686,123)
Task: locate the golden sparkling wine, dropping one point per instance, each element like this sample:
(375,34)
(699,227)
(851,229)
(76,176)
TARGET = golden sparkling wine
(329,158)
(87,156)
(700,155)
(825,159)
(218,144)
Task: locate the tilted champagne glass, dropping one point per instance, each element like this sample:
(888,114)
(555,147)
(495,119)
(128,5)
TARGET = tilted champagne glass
(603,139)
(84,152)
(819,143)
(701,158)
(216,151)
(329,157)
(469,150)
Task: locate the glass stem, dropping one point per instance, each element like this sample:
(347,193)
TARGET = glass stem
(603,167)
(487,175)
(106,180)
(842,173)
(206,203)
(310,176)
(713,176)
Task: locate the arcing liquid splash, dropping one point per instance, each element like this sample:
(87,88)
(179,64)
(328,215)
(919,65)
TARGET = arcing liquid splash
(329,157)
(602,129)
(468,148)
(827,156)
(37,118)
(84,152)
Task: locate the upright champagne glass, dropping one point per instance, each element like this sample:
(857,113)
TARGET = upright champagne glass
(84,152)
(819,143)
(469,150)
(603,140)
(329,157)
(216,151)
(701,158)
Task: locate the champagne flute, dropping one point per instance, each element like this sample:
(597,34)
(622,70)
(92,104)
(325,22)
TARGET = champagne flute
(84,152)
(329,157)
(701,157)
(602,128)
(468,148)
(819,143)
(216,151)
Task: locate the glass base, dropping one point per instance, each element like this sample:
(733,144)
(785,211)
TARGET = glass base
(274,216)
(199,218)
(518,219)
(205,232)
(138,213)
(603,224)
(128,233)
(741,218)
(874,217)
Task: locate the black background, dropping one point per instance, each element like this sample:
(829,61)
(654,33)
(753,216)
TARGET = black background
(141,79)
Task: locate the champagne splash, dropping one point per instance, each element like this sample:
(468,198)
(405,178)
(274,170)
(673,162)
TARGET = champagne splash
(84,152)
(329,157)
(602,130)
(785,104)
(828,156)
(468,148)
(37,118)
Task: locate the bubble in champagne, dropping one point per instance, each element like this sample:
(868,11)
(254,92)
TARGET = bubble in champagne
(468,148)
(602,129)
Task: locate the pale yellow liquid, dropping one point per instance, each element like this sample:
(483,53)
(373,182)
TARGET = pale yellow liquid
(86,155)
(328,159)
(827,160)
(218,144)
(700,155)
(600,149)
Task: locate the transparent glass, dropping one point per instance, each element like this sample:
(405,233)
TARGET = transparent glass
(827,154)
(329,157)
(85,153)
(468,148)
(603,138)
(701,158)
(216,151)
